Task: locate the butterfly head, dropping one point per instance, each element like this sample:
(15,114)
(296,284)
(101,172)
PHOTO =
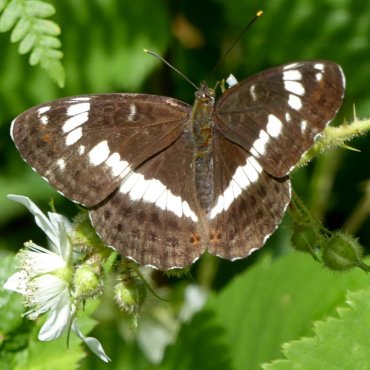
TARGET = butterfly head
(205,94)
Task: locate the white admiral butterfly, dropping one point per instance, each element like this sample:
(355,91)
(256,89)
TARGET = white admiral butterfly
(165,181)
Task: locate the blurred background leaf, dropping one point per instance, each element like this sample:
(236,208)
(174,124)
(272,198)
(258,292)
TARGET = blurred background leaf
(102,42)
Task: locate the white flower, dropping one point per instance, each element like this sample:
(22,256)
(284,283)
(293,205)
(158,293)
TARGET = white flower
(44,278)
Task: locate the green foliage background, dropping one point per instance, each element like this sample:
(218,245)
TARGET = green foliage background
(245,322)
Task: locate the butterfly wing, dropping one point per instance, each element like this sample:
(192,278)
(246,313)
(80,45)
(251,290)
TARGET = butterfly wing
(248,203)
(85,145)
(153,217)
(276,114)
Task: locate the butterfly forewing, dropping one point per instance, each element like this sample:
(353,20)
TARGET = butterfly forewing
(84,146)
(276,114)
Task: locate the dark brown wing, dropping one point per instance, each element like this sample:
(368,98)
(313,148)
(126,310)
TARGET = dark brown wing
(248,203)
(276,115)
(154,216)
(85,145)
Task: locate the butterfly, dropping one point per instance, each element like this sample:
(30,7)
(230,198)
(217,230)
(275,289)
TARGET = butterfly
(165,181)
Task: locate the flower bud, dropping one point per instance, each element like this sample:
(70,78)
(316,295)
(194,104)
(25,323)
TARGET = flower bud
(307,239)
(130,295)
(83,232)
(86,281)
(343,252)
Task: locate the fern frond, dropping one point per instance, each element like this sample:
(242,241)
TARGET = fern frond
(35,34)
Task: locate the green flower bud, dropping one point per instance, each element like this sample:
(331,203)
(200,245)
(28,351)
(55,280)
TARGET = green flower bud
(84,234)
(307,239)
(343,252)
(86,281)
(130,295)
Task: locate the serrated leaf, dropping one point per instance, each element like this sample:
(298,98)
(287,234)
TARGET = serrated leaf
(20,30)
(2,4)
(39,9)
(277,301)
(55,70)
(46,27)
(10,15)
(27,43)
(50,42)
(340,343)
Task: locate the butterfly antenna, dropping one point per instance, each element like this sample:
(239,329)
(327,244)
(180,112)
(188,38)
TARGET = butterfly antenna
(246,28)
(171,66)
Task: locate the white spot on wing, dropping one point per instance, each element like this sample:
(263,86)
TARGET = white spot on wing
(81,98)
(288,117)
(139,188)
(318,76)
(303,126)
(75,121)
(274,126)
(260,144)
(78,108)
(43,110)
(295,102)
(61,163)
(252,91)
(74,136)
(116,165)
(81,150)
(132,113)
(294,87)
(44,119)
(242,178)
(290,66)
(154,191)
(292,75)
(319,66)
(99,153)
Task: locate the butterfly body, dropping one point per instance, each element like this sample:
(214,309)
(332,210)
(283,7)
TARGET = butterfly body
(165,181)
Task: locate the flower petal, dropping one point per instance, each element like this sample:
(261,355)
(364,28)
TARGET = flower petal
(92,343)
(63,227)
(58,320)
(17,282)
(41,220)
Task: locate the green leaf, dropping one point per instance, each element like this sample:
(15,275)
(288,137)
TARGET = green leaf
(276,301)
(55,70)
(200,345)
(11,306)
(10,15)
(43,53)
(27,43)
(20,30)
(50,42)
(2,4)
(35,56)
(340,343)
(39,9)
(46,27)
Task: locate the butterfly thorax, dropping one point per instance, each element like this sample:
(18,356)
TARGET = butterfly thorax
(201,119)
(201,115)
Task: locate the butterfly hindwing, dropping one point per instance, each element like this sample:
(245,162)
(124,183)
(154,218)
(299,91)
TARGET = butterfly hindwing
(154,216)
(276,114)
(248,203)
(85,145)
